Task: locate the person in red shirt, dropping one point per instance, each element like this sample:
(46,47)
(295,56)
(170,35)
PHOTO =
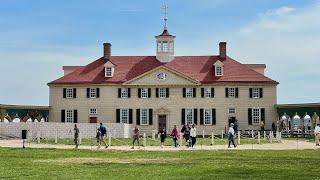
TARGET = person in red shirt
(175,136)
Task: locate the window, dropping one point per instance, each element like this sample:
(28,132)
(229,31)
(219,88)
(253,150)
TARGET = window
(165,46)
(189,116)
(69,116)
(159,47)
(144,92)
(207,116)
(171,46)
(93,111)
(108,71)
(189,92)
(255,116)
(124,116)
(231,92)
(232,110)
(124,93)
(69,92)
(93,92)
(207,92)
(219,71)
(162,92)
(144,116)
(255,93)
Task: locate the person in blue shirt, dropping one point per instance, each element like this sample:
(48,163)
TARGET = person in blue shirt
(103,135)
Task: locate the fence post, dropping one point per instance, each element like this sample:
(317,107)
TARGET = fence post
(264,135)
(212,138)
(222,134)
(153,135)
(144,140)
(239,137)
(80,139)
(38,136)
(109,139)
(271,136)
(280,135)
(56,137)
(252,135)
(259,142)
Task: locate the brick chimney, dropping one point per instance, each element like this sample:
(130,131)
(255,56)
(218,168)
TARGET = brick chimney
(222,50)
(106,51)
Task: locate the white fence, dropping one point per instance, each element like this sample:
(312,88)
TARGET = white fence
(61,130)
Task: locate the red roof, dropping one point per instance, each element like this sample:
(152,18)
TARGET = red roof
(199,68)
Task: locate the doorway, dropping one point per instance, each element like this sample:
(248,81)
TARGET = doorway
(93,119)
(162,122)
(232,120)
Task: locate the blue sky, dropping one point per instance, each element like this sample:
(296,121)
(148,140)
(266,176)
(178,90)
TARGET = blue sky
(38,37)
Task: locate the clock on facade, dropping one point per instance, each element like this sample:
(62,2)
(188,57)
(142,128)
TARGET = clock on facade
(162,76)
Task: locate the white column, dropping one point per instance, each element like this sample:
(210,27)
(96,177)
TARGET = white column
(259,142)
(264,135)
(271,136)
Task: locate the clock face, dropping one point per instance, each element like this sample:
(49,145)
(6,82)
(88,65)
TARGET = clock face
(162,76)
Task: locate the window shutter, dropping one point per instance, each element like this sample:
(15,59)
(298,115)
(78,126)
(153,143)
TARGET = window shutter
(212,92)
(98,92)
(262,111)
(202,92)
(167,92)
(130,116)
(75,116)
(149,92)
(183,118)
(213,116)
(74,93)
(250,92)
(237,92)
(118,116)
(63,115)
(157,92)
(150,116)
(194,92)
(184,92)
(201,116)
(139,92)
(64,92)
(138,116)
(129,92)
(119,92)
(250,116)
(261,92)
(227,92)
(88,92)
(195,116)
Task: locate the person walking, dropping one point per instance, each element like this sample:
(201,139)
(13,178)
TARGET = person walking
(163,135)
(175,136)
(317,134)
(76,135)
(98,135)
(262,125)
(193,135)
(103,134)
(231,136)
(187,135)
(136,136)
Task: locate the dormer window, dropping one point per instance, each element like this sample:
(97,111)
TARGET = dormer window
(109,71)
(219,71)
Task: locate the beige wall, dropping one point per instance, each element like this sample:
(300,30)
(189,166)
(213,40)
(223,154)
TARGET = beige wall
(109,102)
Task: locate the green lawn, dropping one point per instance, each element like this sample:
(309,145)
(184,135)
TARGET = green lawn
(85,164)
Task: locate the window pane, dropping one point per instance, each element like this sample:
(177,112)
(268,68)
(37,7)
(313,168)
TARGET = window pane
(69,93)
(124,116)
(231,92)
(255,93)
(144,92)
(69,116)
(144,116)
(207,117)
(207,92)
(162,92)
(189,116)
(189,92)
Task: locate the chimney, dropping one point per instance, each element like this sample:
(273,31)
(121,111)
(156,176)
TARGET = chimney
(223,50)
(106,51)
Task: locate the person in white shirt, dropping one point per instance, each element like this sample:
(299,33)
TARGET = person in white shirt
(317,134)
(193,135)
(231,135)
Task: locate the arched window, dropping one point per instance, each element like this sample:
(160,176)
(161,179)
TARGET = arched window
(296,123)
(16,120)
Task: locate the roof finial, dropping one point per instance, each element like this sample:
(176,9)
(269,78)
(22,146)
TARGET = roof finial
(165,12)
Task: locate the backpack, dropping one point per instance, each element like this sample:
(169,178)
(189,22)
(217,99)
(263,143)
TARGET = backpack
(103,130)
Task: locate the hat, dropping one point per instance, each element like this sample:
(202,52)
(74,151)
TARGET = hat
(231,124)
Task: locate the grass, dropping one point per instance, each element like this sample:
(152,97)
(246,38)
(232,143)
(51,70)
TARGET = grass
(151,142)
(86,164)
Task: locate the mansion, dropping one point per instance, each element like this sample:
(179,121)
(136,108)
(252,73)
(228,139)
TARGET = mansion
(164,90)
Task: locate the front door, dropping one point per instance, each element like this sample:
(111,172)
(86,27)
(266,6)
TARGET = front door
(162,122)
(231,120)
(93,120)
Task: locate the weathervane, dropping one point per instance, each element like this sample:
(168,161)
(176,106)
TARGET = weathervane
(165,12)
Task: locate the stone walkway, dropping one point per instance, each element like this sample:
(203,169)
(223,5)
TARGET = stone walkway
(285,145)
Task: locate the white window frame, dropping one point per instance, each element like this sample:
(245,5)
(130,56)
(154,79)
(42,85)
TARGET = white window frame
(124,93)
(144,93)
(207,116)
(256,116)
(255,93)
(232,110)
(159,46)
(171,46)
(219,70)
(69,93)
(189,116)
(69,116)
(93,93)
(108,71)
(162,93)
(165,46)
(232,92)
(93,111)
(189,92)
(124,116)
(144,117)
(207,92)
